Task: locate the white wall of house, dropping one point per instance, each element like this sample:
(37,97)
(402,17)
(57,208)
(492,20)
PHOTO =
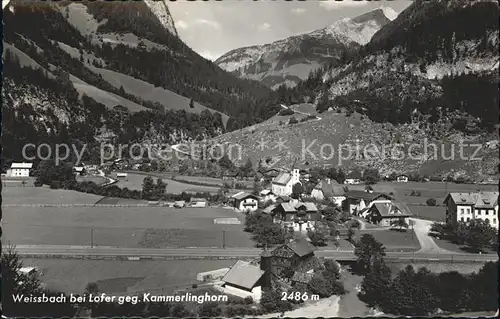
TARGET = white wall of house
(338,200)
(465,213)
(318,194)
(287,189)
(248,204)
(18,172)
(256,292)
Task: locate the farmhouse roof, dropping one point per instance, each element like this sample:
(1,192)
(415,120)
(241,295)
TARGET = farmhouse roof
(301,247)
(391,209)
(330,188)
(269,209)
(284,198)
(243,274)
(21,165)
(478,199)
(308,206)
(288,207)
(282,179)
(243,195)
(265,192)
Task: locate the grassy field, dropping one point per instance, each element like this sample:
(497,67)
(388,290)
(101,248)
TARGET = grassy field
(394,240)
(44,195)
(134,182)
(122,227)
(114,277)
(217,182)
(92,178)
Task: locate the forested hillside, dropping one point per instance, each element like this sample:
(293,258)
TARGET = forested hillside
(437,59)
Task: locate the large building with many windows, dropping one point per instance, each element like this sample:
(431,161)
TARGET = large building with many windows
(463,207)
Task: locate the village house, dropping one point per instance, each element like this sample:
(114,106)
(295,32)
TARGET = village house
(463,207)
(329,189)
(300,216)
(267,195)
(283,183)
(387,213)
(295,257)
(402,179)
(79,170)
(245,202)
(356,201)
(19,170)
(243,280)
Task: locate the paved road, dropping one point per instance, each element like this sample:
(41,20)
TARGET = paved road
(101,252)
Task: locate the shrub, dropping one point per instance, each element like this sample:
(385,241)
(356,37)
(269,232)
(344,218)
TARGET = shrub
(431,202)
(55,185)
(38,183)
(293,120)
(286,112)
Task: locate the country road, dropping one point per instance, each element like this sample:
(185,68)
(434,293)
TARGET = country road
(64,251)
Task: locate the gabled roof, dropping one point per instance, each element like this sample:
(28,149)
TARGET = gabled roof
(21,165)
(282,179)
(265,192)
(478,199)
(308,206)
(284,198)
(301,247)
(288,207)
(330,189)
(391,209)
(243,195)
(269,209)
(243,274)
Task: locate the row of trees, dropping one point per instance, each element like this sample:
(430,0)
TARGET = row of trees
(477,234)
(264,231)
(420,292)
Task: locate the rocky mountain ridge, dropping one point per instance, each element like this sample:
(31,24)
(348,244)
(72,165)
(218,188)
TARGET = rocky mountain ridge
(290,60)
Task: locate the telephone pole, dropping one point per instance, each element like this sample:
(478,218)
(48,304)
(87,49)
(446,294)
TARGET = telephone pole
(224,239)
(91,237)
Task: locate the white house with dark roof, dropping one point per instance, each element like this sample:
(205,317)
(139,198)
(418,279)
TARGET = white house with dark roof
(329,189)
(267,195)
(467,206)
(301,216)
(245,202)
(19,170)
(385,213)
(243,280)
(283,183)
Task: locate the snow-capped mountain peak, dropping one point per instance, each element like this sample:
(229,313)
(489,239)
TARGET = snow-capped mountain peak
(160,10)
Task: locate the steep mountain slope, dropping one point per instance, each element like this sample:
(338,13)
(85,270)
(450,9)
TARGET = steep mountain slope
(291,60)
(429,76)
(118,67)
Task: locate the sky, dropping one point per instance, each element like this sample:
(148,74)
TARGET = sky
(213,28)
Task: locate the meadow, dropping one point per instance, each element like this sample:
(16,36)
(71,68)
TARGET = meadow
(44,195)
(122,227)
(134,182)
(115,277)
(395,240)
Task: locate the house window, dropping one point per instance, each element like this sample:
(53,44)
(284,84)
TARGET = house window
(486,212)
(461,210)
(478,211)
(468,218)
(462,219)
(494,221)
